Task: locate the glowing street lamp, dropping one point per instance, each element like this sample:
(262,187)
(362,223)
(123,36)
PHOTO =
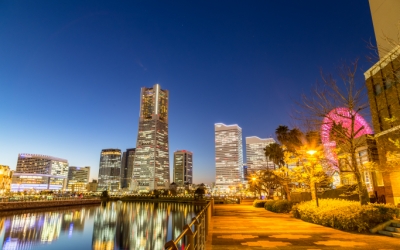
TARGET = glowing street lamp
(311,152)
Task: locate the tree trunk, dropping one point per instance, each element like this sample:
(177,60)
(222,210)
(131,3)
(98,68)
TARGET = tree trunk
(312,189)
(362,190)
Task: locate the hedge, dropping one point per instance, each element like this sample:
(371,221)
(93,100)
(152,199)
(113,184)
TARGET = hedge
(259,203)
(344,214)
(278,206)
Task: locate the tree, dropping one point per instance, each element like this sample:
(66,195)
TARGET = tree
(346,101)
(290,138)
(311,167)
(264,181)
(274,152)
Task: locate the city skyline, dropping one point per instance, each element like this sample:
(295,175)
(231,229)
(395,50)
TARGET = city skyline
(70,73)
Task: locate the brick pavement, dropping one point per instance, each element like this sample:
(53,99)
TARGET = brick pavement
(245,227)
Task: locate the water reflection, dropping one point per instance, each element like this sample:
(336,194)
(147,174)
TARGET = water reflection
(116,225)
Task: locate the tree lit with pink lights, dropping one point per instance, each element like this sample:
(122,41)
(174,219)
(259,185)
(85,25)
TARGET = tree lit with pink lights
(336,106)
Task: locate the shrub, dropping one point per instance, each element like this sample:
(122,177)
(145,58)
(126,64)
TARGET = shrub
(258,203)
(344,214)
(278,206)
(269,204)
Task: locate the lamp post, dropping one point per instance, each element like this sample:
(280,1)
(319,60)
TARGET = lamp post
(311,153)
(254,179)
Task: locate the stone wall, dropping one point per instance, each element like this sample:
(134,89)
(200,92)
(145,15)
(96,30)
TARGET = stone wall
(6,206)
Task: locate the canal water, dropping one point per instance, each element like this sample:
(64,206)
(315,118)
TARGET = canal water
(114,225)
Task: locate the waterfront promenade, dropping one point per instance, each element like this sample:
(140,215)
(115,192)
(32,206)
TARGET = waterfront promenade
(245,227)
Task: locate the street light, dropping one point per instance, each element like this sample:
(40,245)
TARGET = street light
(311,153)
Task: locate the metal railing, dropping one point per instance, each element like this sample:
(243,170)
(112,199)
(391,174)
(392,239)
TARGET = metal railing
(46,198)
(196,232)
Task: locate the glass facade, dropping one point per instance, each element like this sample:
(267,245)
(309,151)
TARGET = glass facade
(128,159)
(183,168)
(78,178)
(228,156)
(109,170)
(255,154)
(27,182)
(151,163)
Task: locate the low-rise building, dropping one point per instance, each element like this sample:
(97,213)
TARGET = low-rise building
(92,186)
(5,179)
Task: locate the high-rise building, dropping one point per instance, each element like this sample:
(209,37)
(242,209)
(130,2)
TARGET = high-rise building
(382,81)
(228,156)
(78,178)
(183,168)
(39,172)
(128,158)
(110,169)
(255,154)
(151,167)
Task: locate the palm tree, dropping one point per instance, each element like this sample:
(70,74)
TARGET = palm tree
(282,134)
(275,153)
(290,138)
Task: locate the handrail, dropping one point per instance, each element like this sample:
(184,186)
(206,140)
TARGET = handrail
(196,238)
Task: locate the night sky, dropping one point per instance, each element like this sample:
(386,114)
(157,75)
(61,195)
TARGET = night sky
(71,71)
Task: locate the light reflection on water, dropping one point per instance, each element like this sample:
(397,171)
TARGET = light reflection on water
(115,225)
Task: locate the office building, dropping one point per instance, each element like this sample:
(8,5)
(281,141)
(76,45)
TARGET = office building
(255,154)
(183,168)
(128,158)
(228,157)
(382,81)
(110,169)
(39,172)
(78,178)
(41,164)
(151,167)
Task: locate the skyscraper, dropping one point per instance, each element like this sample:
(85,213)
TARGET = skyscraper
(151,167)
(78,178)
(183,168)
(228,156)
(110,169)
(128,159)
(255,155)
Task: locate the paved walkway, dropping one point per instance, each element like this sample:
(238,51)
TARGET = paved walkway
(246,227)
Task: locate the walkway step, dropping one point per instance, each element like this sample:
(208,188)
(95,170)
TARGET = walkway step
(396,225)
(393,229)
(387,233)
(396,235)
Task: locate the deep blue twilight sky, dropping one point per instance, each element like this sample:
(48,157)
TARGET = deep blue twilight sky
(71,71)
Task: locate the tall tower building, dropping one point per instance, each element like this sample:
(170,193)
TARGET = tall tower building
(151,165)
(78,178)
(183,167)
(128,158)
(110,169)
(228,156)
(255,154)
